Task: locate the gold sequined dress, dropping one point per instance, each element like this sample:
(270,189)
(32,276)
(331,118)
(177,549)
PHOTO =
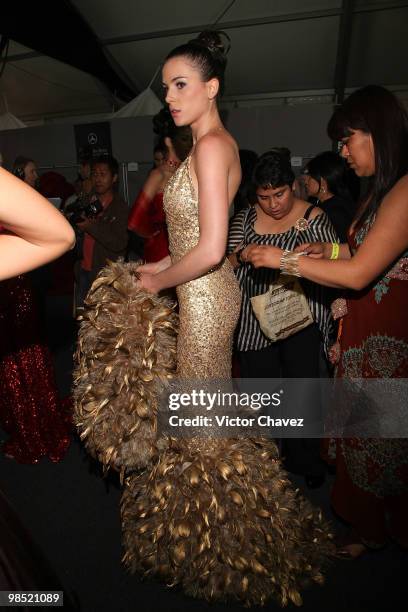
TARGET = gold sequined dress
(217,516)
(209,306)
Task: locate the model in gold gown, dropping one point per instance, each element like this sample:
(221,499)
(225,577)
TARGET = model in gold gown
(217,515)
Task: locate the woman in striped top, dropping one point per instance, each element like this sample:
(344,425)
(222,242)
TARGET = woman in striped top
(273,220)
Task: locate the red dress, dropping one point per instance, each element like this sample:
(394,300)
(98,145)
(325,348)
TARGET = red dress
(371,486)
(30,410)
(148,219)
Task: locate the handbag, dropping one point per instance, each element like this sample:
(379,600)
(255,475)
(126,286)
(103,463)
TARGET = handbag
(283,310)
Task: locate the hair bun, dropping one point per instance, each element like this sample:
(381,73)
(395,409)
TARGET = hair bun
(207,53)
(216,41)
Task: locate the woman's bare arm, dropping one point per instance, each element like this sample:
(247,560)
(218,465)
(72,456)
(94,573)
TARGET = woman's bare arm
(36,232)
(156,266)
(140,220)
(323,250)
(384,243)
(153,183)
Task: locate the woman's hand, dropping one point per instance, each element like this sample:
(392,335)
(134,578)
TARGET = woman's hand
(315,250)
(148,283)
(155,267)
(149,268)
(262,256)
(324,250)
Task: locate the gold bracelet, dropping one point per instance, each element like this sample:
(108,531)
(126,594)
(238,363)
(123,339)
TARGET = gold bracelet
(289,263)
(335,250)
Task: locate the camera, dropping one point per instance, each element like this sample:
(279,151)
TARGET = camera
(85,206)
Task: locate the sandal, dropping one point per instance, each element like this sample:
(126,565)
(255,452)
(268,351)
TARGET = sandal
(350,547)
(351,552)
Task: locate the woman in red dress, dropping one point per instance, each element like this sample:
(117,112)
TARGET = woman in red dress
(147,218)
(371,486)
(30,410)
(31,413)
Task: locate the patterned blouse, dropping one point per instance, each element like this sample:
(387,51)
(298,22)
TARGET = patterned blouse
(249,336)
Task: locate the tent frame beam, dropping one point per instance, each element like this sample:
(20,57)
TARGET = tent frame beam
(231,25)
(244,23)
(343,50)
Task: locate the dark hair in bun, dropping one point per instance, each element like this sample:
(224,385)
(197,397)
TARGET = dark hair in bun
(207,52)
(181,138)
(273,169)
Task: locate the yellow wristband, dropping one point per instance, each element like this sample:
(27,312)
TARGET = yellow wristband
(335,250)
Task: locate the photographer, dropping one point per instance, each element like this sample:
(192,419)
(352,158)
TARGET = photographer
(102,217)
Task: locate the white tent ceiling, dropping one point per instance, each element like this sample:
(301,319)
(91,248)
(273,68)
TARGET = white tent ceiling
(279,49)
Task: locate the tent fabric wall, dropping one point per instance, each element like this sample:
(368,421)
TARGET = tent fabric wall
(300,128)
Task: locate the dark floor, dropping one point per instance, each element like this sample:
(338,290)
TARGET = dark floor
(73,515)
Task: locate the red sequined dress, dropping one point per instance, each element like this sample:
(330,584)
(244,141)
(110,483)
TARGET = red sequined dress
(30,410)
(147,219)
(371,486)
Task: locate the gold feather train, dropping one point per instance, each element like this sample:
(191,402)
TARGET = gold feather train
(125,357)
(217,516)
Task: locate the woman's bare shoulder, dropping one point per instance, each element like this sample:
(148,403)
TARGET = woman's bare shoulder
(400,187)
(396,198)
(392,215)
(302,206)
(156,176)
(219,143)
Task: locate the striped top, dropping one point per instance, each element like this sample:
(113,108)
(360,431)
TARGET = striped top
(249,336)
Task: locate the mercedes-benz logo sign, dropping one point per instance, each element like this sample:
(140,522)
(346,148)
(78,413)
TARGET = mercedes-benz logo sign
(92,138)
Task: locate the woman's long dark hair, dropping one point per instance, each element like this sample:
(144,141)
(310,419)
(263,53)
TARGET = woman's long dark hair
(376,111)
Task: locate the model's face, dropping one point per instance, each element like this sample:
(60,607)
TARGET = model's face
(187,95)
(30,174)
(102,179)
(358,150)
(276,202)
